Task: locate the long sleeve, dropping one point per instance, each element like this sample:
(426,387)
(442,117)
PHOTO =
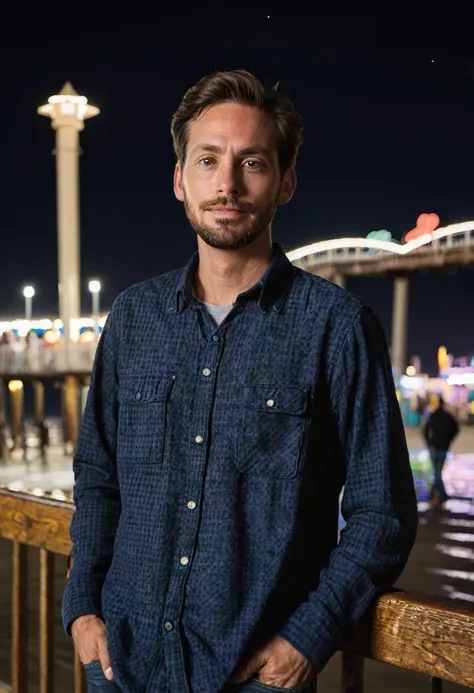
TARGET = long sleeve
(427,431)
(379,502)
(96,492)
(455,427)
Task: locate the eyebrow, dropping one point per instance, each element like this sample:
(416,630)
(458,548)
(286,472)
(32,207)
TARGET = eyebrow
(215,149)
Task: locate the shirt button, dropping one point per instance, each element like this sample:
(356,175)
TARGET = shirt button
(191,505)
(184,560)
(270,402)
(215,338)
(206,371)
(138,396)
(168,626)
(199,439)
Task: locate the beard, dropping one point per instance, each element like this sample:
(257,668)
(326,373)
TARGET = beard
(223,235)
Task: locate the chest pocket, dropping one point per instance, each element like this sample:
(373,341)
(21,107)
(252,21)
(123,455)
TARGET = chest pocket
(143,402)
(270,435)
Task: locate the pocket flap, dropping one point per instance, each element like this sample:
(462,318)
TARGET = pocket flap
(277,400)
(140,389)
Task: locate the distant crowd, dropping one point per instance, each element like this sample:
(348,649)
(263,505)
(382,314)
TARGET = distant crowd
(38,352)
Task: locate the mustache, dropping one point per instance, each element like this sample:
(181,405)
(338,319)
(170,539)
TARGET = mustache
(227,202)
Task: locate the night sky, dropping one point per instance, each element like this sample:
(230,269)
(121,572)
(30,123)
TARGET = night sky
(388,107)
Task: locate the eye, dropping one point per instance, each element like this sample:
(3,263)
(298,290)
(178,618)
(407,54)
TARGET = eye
(253,164)
(206,161)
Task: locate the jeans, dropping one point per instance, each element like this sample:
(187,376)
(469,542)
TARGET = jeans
(96,681)
(438,458)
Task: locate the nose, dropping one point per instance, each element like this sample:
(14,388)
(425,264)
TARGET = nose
(228,180)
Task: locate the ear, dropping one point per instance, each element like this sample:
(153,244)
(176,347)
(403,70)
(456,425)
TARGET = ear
(288,185)
(178,183)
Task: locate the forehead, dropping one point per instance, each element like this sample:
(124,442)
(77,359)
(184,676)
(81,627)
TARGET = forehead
(234,126)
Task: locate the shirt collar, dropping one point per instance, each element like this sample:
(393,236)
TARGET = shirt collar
(270,291)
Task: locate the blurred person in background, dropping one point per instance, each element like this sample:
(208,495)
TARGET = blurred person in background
(440,431)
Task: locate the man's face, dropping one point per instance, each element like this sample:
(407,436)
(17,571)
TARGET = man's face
(230,182)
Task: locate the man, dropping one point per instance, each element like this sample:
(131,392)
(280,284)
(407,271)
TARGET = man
(229,403)
(440,431)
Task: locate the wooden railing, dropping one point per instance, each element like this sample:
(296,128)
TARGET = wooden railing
(44,523)
(428,635)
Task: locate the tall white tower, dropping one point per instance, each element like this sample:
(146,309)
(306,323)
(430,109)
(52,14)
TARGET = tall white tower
(68,111)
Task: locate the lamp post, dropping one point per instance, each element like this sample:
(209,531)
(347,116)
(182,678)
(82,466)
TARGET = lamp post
(68,111)
(28,293)
(94,288)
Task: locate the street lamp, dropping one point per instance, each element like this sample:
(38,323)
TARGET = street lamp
(94,288)
(28,293)
(68,111)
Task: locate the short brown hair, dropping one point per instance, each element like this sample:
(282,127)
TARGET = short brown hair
(240,86)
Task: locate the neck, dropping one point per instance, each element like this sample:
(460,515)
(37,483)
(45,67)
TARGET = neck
(224,274)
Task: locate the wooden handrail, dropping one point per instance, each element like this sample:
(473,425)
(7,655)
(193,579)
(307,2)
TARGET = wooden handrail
(42,522)
(413,631)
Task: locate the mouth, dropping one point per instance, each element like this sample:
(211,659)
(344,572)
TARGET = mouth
(227,212)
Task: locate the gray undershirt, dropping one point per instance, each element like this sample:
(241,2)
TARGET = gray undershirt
(218,313)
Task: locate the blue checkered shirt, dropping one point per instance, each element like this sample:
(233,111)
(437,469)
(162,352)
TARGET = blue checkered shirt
(208,474)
